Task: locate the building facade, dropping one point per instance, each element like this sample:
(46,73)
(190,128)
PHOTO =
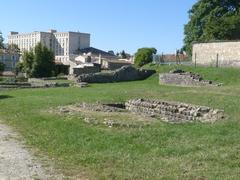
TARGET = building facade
(9,59)
(63,44)
(222,53)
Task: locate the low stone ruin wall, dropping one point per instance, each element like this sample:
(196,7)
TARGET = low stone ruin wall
(174,112)
(184,79)
(86,70)
(39,83)
(126,73)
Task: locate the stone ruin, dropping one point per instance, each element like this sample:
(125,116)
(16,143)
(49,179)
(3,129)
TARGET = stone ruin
(125,73)
(182,78)
(174,112)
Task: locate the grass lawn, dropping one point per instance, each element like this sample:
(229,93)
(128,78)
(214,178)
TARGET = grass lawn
(170,151)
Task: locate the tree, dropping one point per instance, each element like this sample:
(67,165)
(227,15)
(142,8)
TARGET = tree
(13,48)
(1,67)
(212,20)
(123,55)
(1,41)
(144,56)
(43,64)
(38,62)
(26,65)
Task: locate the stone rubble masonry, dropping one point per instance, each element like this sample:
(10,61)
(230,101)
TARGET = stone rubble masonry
(125,73)
(222,54)
(86,70)
(184,79)
(174,112)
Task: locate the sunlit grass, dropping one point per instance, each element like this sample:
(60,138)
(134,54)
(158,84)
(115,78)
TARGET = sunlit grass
(180,151)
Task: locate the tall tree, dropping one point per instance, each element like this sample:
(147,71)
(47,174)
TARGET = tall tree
(212,20)
(123,55)
(2,66)
(1,41)
(38,62)
(144,56)
(43,64)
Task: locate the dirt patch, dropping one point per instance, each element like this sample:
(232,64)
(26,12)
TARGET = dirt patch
(16,162)
(106,114)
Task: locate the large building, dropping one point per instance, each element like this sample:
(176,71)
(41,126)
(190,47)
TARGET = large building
(63,44)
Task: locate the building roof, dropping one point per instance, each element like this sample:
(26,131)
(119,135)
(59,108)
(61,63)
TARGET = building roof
(95,51)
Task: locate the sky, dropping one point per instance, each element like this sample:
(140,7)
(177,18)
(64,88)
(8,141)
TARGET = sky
(113,24)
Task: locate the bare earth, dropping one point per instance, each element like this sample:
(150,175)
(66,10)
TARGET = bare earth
(16,162)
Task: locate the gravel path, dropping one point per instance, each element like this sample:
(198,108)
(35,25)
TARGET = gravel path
(16,162)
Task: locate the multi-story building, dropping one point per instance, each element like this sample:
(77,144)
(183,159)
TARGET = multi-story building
(63,44)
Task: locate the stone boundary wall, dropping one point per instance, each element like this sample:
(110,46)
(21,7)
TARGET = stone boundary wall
(174,112)
(223,54)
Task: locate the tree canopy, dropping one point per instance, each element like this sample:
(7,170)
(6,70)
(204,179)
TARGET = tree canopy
(123,54)
(13,48)
(38,62)
(1,41)
(144,56)
(212,20)
(2,66)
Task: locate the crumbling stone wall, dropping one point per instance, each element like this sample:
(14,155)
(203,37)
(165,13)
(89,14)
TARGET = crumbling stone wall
(217,53)
(184,79)
(173,111)
(86,70)
(126,73)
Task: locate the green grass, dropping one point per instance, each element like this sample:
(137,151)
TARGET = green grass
(161,150)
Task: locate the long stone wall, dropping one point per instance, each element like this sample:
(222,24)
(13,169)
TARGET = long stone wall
(86,70)
(173,111)
(125,73)
(217,54)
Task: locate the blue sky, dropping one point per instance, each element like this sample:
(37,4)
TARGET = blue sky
(114,24)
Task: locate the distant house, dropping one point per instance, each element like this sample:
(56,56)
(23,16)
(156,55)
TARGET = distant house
(95,56)
(9,59)
(86,68)
(114,64)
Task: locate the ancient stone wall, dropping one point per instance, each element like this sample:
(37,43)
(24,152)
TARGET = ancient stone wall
(217,54)
(173,111)
(86,70)
(184,79)
(126,73)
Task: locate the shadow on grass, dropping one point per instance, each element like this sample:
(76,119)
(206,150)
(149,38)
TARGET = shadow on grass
(5,96)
